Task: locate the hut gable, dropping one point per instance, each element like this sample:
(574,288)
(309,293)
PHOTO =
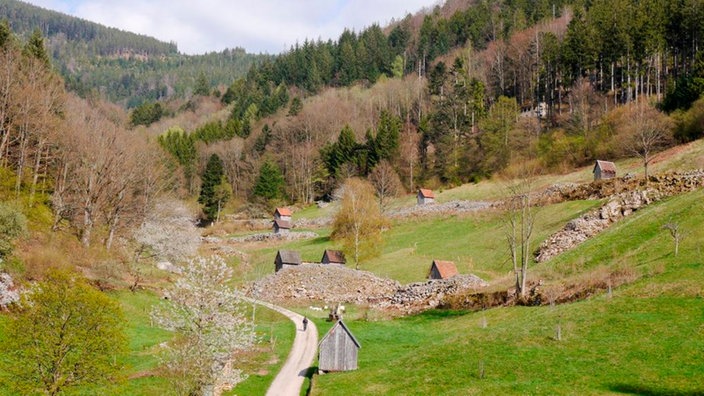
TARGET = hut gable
(442,270)
(338,349)
(425,196)
(333,257)
(286,258)
(283,214)
(281,226)
(604,170)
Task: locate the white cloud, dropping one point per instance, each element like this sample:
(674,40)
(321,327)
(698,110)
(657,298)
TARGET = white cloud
(258,26)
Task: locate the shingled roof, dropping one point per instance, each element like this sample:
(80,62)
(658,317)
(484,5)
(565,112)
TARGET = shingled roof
(605,166)
(283,212)
(289,257)
(282,224)
(333,257)
(446,269)
(426,193)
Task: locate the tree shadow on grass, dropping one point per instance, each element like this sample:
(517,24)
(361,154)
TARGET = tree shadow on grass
(648,390)
(442,313)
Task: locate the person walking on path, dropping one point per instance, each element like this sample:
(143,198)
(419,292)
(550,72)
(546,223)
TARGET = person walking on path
(305,323)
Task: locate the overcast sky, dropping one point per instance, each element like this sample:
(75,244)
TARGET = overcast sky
(255,25)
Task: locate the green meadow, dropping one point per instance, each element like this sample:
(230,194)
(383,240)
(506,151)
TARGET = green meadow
(646,337)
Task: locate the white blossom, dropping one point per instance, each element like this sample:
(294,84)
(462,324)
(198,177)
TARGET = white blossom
(8,293)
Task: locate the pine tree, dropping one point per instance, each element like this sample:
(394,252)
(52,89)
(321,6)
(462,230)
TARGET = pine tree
(35,47)
(270,183)
(211,178)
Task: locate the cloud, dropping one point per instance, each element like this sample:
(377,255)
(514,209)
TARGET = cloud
(258,26)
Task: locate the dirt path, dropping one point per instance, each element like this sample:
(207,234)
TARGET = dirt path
(305,345)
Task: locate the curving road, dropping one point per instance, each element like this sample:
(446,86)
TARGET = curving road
(290,379)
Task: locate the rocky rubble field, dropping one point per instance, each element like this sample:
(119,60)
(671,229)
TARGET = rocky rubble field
(336,284)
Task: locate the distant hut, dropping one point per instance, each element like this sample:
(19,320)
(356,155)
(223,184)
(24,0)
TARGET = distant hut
(286,258)
(283,214)
(425,196)
(604,170)
(338,349)
(281,227)
(442,270)
(333,257)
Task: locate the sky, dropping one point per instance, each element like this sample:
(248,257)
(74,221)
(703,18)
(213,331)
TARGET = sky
(258,26)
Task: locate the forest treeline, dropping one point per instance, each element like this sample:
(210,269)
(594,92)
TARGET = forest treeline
(68,154)
(452,95)
(472,87)
(123,67)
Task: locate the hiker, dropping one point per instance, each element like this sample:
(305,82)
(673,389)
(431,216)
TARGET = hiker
(305,323)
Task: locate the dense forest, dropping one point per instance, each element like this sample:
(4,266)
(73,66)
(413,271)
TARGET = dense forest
(123,67)
(461,92)
(447,96)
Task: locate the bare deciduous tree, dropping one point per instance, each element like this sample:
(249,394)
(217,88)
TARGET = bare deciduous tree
(676,233)
(386,183)
(650,131)
(519,222)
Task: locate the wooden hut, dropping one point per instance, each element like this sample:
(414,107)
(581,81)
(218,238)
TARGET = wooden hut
(425,196)
(338,349)
(281,227)
(442,270)
(604,170)
(286,258)
(283,214)
(333,257)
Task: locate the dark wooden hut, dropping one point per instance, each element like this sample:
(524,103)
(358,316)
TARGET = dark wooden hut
(286,258)
(333,257)
(604,170)
(338,349)
(281,227)
(442,270)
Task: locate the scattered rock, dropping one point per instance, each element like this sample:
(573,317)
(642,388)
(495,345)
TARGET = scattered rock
(268,236)
(337,284)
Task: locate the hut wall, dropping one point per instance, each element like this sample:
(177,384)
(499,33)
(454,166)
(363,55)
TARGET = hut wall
(338,352)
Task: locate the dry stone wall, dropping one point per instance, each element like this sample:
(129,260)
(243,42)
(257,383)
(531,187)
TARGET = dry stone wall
(626,196)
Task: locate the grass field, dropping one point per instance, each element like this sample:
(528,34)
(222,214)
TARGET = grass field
(141,374)
(647,338)
(476,242)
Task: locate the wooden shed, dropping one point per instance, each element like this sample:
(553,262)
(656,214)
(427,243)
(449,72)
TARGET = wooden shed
(286,258)
(333,257)
(283,214)
(338,349)
(604,170)
(442,270)
(425,196)
(281,227)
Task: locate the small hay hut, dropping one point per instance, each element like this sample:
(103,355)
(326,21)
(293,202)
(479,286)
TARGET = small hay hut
(604,170)
(338,349)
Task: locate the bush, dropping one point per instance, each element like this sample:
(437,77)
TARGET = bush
(13,224)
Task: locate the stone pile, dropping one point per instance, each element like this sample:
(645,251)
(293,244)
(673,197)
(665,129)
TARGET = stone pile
(321,282)
(435,208)
(416,297)
(579,230)
(626,195)
(336,284)
(270,236)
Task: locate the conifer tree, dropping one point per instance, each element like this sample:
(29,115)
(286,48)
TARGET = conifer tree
(211,178)
(270,182)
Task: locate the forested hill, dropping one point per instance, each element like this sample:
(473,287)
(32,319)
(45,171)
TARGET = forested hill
(128,68)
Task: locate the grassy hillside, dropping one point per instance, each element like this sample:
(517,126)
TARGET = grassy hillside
(644,339)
